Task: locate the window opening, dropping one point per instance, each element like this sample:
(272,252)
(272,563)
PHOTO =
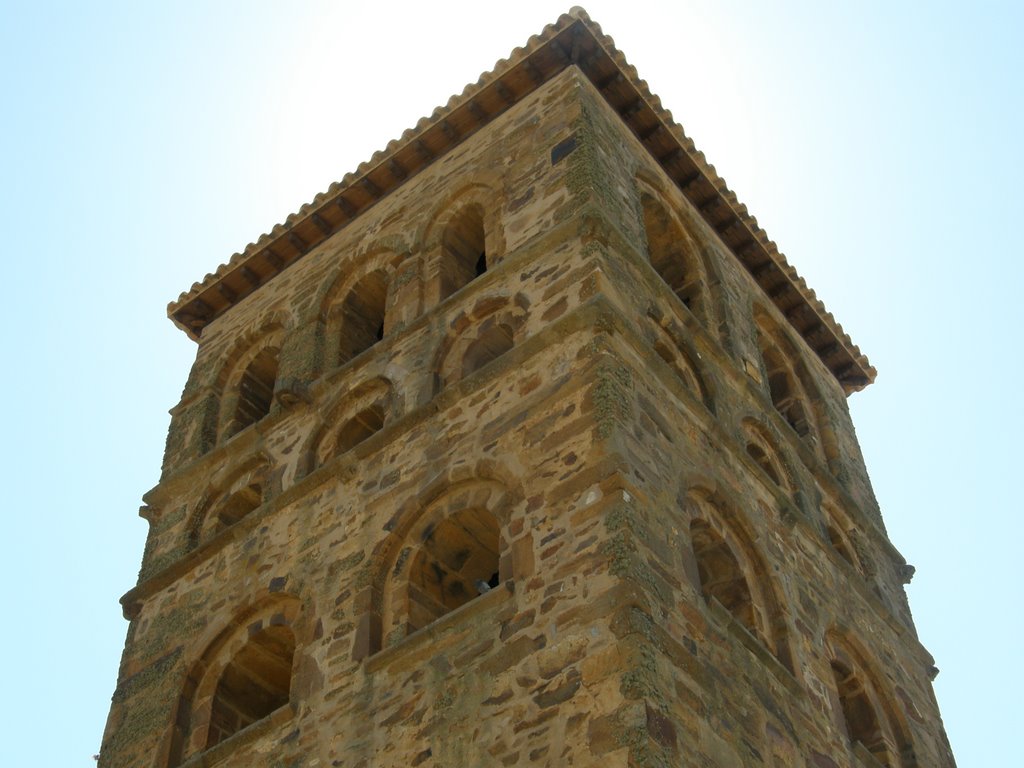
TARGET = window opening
(254,684)
(784,393)
(840,544)
(237,506)
(457,561)
(858,713)
(491,344)
(758,454)
(463,250)
(666,249)
(721,576)
(361,426)
(256,389)
(363,310)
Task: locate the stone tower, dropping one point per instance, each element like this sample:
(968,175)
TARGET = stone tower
(521,445)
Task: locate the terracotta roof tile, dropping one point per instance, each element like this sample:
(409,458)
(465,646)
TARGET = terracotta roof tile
(194,308)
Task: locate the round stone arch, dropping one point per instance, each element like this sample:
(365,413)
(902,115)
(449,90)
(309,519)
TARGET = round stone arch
(674,251)
(493,326)
(361,294)
(232,493)
(792,387)
(383,605)
(863,702)
(259,348)
(722,552)
(762,447)
(465,225)
(276,621)
(366,408)
(844,537)
(670,341)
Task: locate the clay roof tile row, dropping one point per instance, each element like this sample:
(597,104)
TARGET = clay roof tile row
(194,308)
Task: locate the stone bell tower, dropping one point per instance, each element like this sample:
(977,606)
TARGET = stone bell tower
(520,445)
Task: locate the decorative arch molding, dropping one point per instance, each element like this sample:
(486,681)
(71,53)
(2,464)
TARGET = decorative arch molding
(792,388)
(375,397)
(671,342)
(463,237)
(481,502)
(864,703)
(279,618)
(232,493)
(724,555)
(493,326)
(674,253)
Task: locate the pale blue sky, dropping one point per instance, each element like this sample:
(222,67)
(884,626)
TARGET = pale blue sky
(878,143)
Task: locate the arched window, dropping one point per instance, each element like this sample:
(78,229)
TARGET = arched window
(457,562)
(760,457)
(838,529)
(720,574)
(492,343)
(681,360)
(785,396)
(463,249)
(255,682)
(234,507)
(361,426)
(255,390)
(672,254)
(362,315)
(858,712)
(732,574)
(437,559)
(762,449)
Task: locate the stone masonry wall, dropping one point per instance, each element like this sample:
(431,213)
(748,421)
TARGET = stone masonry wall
(618,429)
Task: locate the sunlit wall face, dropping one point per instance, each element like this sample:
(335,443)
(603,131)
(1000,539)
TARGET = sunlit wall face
(876,143)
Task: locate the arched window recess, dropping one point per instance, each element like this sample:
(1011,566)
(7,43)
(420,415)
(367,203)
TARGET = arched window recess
(864,712)
(731,574)
(463,249)
(674,256)
(242,681)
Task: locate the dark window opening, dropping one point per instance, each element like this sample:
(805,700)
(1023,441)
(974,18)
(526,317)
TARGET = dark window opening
(758,454)
(361,426)
(491,344)
(858,713)
(463,250)
(256,390)
(666,249)
(255,683)
(783,389)
(362,323)
(457,561)
(840,545)
(721,576)
(237,506)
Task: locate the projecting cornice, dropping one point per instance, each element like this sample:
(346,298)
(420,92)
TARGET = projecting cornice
(573,40)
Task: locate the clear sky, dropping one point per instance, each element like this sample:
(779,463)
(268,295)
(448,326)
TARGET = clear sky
(878,143)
